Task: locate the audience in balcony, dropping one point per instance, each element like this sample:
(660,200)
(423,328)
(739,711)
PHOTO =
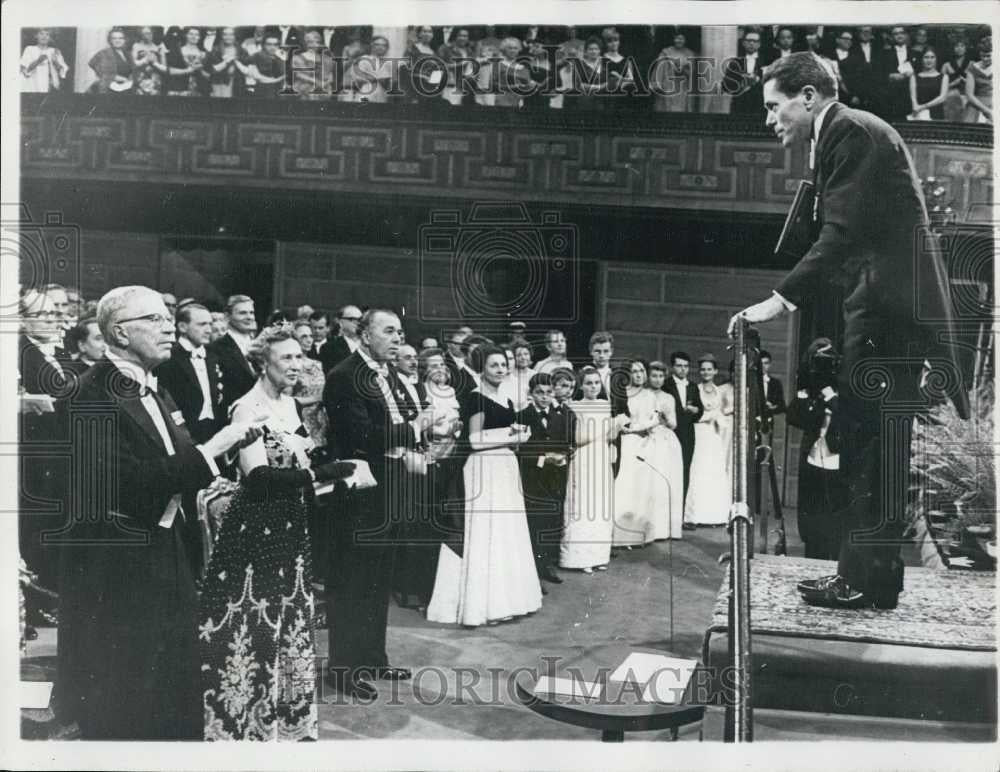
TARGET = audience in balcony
(186,74)
(671,76)
(266,69)
(928,90)
(227,66)
(112,65)
(875,69)
(954,69)
(43,67)
(148,63)
(979,85)
(742,77)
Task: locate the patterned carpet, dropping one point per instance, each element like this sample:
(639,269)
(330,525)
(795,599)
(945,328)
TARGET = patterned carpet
(938,609)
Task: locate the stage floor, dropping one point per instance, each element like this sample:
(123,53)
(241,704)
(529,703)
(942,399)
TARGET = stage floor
(632,603)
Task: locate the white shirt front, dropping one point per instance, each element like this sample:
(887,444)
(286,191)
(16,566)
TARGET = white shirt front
(751,63)
(901,56)
(201,372)
(866,49)
(352,343)
(243,340)
(682,390)
(842,54)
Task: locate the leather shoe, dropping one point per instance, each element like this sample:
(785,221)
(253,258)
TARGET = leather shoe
(809,585)
(833,592)
(548,575)
(393,673)
(688,526)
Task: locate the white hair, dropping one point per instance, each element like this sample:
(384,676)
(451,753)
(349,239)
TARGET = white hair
(114,301)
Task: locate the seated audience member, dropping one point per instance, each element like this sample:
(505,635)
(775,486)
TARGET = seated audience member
(266,69)
(43,67)
(555,342)
(186,73)
(928,90)
(148,63)
(85,345)
(543,462)
(227,66)
(112,65)
(823,492)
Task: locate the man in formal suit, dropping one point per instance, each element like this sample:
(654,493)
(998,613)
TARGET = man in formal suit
(689,410)
(461,376)
(897,66)
(543,462)
(347,341)
(874,241)
(861,71)
(416,555)
(193,375)
(602,349)
(322,350)
(238,373)
(774,393)
(128,660)
(365,395)
(44,369)
(85,346)
(784,44)
(742,76)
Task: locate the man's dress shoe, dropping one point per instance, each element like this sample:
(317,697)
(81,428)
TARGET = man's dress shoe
(835,592)
(548,575)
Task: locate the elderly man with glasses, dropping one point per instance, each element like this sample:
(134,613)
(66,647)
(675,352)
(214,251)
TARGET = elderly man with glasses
(128,661)
(347,342)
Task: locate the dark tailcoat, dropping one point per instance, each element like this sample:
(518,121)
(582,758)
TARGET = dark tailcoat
(747,99)
(544,487)
(128,661)
(874,242)
(178,377)
(238,375)
(685,422)
(366,532)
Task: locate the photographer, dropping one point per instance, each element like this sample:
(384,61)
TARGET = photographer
(822,487)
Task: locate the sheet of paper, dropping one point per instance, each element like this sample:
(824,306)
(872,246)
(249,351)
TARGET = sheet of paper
(668,685)
(435,77)
(567,687)
(35,694)
(37,403)
(360,479)
(640,667)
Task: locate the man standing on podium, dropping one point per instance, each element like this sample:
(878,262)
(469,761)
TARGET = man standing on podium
(872,238)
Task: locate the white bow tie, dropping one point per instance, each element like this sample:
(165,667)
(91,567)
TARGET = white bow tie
(198,353)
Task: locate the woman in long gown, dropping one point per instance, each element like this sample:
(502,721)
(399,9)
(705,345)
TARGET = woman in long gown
(588,517)
(257,605)
(673,457)
(649,499)
(672,77)
(495,579)
(709,492)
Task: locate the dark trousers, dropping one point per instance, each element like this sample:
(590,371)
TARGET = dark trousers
(686,437)
(822,498)
(544,493)
(359,579)
(419,543)
(128,665)
(879,397)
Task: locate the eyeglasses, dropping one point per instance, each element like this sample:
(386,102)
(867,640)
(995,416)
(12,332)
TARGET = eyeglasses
(157,320)
(350,318)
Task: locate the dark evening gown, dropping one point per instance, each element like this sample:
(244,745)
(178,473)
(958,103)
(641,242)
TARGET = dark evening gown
(257,613)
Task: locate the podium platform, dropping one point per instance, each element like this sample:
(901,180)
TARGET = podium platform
(933,657)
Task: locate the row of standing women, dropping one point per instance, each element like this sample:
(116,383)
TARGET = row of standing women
(493,577)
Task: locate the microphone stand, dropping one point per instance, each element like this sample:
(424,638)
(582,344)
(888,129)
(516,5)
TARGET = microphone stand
(739,704)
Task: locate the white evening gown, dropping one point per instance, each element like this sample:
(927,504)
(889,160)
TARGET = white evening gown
(710,490)
(588,517)
(495,578)
(649,489)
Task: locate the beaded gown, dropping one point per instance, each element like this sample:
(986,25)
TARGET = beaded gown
(258,612)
